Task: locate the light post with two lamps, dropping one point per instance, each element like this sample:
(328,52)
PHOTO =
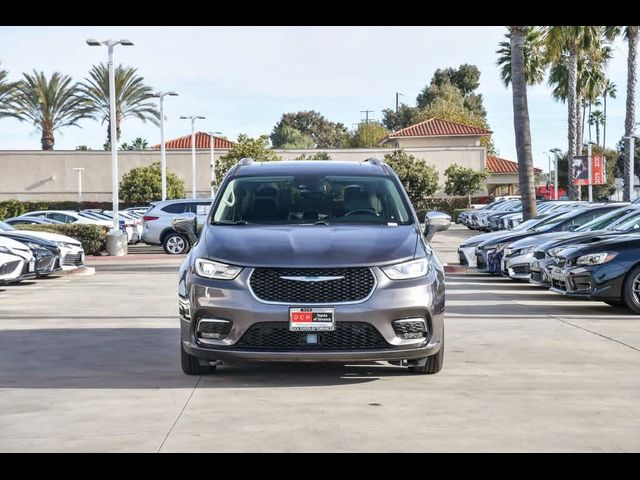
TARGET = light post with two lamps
(118,244)
(193,119)
(163,154)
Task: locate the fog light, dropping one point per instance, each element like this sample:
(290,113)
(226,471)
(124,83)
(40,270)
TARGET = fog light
(213,328)
(410,328)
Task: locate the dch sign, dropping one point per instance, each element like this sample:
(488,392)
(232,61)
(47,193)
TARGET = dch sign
(581,170)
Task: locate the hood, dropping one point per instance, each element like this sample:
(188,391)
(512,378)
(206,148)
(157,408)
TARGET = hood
(310,245)
(483,237)
(540,239)
(602,243)
(25,237)
(16,248)
(53,237)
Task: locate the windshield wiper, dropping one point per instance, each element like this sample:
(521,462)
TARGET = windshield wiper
(230,222)
(321,222)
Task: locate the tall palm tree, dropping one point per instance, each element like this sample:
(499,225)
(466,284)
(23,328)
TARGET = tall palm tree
(535,62)
(49,103)
(570,41)
(7,91)
(597,118)
(134,99)
(609,90)
(630,34)
(521,125)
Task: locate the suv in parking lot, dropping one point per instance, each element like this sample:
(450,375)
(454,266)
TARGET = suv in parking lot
(157,228)
(313,261)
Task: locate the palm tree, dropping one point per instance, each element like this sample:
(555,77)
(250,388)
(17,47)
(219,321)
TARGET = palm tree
(7,90)
(609,90)
(521,125)
(597,118)
(49,103)
(631,36)
(570,41)
(535,63)
(134,99)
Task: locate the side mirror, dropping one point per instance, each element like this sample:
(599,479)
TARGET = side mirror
(435,222)
(186,223)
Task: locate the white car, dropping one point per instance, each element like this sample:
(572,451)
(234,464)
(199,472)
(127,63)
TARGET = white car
(71,251)
(10,250)
(68,216)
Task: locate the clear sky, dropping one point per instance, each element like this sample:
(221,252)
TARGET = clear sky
(243,78)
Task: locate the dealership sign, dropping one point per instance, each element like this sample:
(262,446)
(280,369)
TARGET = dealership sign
(581,170)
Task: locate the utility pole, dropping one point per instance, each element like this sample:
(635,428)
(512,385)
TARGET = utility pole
(366,114)
(398,94)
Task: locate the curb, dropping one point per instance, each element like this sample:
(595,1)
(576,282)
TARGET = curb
(81,271)
(133,258)
(455,269)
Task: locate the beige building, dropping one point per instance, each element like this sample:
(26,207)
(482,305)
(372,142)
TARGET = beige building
(50,175)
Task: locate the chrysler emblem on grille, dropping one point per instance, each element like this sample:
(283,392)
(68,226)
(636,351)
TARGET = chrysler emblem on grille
(302,278)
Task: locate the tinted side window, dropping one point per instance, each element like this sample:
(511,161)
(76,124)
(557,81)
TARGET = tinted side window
(61,217)
(176,208)
(580,220)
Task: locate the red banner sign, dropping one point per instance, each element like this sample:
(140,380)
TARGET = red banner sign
(581,170)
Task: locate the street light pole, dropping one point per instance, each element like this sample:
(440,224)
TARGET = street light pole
(590,170)
(213,161)
(193,119)
(79,170)
(398,94)
(632,175)
(112,124)
(555,173)
(163,153)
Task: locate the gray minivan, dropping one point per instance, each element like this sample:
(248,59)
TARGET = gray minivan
(313,261)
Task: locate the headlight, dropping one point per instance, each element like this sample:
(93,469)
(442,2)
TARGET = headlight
(524,251)
(554,251)
(596,258)
(406,270)
(220,271)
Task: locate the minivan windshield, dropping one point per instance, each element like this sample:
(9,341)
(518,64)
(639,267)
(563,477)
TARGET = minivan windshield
(312,199)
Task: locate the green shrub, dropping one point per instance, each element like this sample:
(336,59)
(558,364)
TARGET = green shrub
(144,184)
(92,237)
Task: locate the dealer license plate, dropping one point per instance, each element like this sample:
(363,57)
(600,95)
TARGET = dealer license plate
(312,320)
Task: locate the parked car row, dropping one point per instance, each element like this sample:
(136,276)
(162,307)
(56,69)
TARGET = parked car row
(582,250)
(27,254)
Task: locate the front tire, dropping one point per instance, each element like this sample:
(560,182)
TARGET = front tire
(191,365)
(175,244)
(429,365)
(631,290)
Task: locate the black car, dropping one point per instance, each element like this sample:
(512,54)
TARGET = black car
(47,253)
(606,226)
(489,254)
(605,269)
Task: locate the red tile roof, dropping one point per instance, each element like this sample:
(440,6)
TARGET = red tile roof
(203,140)
(500,165)
(434,127)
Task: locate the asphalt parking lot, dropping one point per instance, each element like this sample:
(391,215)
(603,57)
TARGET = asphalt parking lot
(91,363)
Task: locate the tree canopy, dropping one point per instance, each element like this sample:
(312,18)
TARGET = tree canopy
(325,134)
(419,179)
(256,148)
(144,184)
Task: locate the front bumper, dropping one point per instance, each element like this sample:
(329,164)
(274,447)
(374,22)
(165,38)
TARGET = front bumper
(517,267)
(540,272)
(467,256)
(391,300)
(489,261)
(597,282)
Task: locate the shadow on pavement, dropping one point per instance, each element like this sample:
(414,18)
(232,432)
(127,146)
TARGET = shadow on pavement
(148,358)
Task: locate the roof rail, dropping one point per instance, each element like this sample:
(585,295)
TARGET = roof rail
(246,161)
(374,161)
